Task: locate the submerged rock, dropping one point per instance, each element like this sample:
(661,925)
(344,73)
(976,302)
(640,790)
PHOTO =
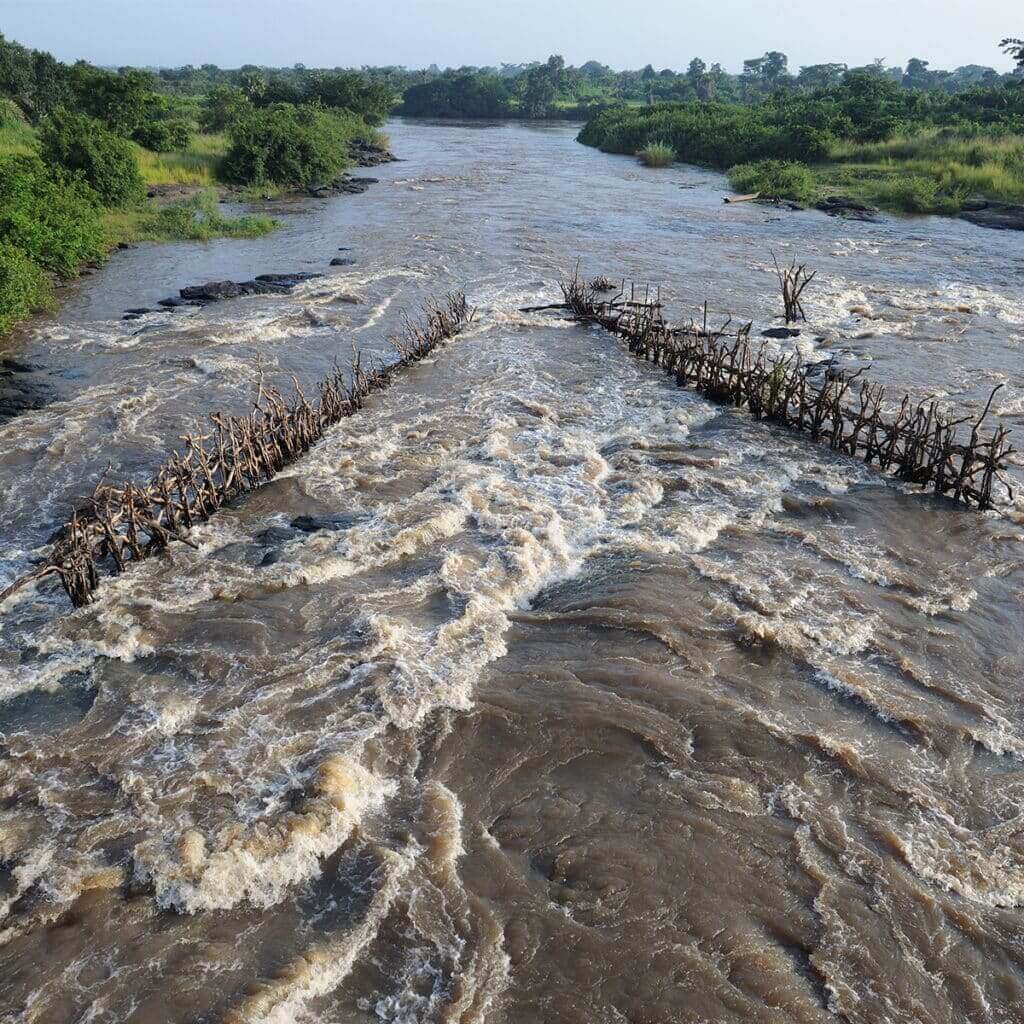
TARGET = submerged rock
(340,261)
(781,332)
(313,524)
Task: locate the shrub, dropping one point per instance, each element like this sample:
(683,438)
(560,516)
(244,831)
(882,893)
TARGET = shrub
(657,154)
(53,218)
(24,287)
(222,107)
(83,146)
(288,145)
(164,135)
(775,179)
(916,193)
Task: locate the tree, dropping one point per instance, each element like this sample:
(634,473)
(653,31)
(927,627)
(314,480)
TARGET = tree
(821,76)
(542,84)
(84,146)
(253,83)
(1014,49)
(917,75)
(222,107)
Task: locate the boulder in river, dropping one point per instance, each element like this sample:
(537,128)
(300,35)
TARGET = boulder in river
(340,261)
(215,291)
(781,332)
(21,389)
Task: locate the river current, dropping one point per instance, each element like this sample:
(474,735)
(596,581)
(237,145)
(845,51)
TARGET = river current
(541,690)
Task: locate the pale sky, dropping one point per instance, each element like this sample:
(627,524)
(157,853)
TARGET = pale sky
(416,33)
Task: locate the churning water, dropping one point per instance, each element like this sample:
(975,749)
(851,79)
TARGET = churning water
(574,697)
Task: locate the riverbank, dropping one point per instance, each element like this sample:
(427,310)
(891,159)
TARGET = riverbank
(811,150)
(186,201)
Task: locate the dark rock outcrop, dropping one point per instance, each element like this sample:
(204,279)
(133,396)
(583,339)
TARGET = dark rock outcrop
(344,186)
(22,388)
(215,291)
(366,154)
(1001,216)
(851,209)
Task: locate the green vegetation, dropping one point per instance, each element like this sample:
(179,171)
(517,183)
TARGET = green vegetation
(50,216)
(24,287)
(196,164)
(79,145)
(84,147)
(775,179)
(289,145)
(197,219)
(867,137)
(657,154)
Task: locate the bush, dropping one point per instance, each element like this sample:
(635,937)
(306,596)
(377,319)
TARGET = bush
(222,107)
(83,146)
(657,154)
(288,145)
(164,135)
(24,287)
(53,218)
(916,193)
(775,179)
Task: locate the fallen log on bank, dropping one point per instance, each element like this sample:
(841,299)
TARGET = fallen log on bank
(742,199)
(124,523)
(920,444)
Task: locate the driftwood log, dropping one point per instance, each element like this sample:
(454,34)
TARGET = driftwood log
(920,443)
(127,522)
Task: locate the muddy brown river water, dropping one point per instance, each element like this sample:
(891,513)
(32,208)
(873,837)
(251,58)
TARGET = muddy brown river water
(573,697)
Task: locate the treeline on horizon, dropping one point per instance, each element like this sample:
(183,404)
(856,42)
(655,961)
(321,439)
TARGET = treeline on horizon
(553,89)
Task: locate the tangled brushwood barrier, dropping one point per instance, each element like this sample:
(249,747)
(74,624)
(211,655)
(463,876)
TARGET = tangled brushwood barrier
(919,443)
(125,523)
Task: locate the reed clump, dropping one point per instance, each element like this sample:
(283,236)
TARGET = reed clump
(657,154)
(126,522)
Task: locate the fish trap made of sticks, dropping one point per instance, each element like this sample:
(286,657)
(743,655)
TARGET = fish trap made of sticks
(124,523)
(920,443)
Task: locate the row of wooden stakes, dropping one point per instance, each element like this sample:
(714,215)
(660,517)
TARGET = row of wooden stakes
(126,522)
(919,442)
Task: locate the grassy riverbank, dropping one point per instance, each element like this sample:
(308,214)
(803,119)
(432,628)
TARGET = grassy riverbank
(864,140)
(935,171)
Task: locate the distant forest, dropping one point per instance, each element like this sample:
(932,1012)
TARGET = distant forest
(555,90)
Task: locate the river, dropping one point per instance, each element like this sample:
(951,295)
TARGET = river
(585,700)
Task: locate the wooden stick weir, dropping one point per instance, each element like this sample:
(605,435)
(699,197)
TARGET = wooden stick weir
(920,444)
(125,523)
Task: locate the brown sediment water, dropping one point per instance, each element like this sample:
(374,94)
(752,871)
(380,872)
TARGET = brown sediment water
(542,689)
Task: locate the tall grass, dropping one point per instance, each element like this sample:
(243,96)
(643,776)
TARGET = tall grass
(958,163)
(657,154)
(196,165)
(16,136)
(193,220)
